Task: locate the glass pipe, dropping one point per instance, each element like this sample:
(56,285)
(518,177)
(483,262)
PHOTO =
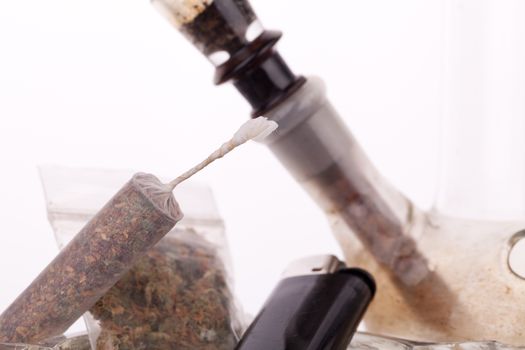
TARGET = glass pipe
(443,275)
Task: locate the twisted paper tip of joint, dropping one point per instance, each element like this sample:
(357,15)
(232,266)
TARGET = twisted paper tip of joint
(255,129)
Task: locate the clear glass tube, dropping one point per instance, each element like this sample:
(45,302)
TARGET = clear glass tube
(483,156)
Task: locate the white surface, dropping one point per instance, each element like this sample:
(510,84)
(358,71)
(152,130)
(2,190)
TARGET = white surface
(108,83)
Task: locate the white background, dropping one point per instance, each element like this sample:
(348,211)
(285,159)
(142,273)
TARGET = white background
(108,83)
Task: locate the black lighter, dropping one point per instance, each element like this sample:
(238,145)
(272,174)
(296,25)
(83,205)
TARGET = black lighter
(316,306)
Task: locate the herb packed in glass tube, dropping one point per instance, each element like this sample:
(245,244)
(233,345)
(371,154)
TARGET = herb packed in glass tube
(218,28)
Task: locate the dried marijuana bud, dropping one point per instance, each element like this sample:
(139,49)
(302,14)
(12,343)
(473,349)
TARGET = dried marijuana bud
(175,297)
